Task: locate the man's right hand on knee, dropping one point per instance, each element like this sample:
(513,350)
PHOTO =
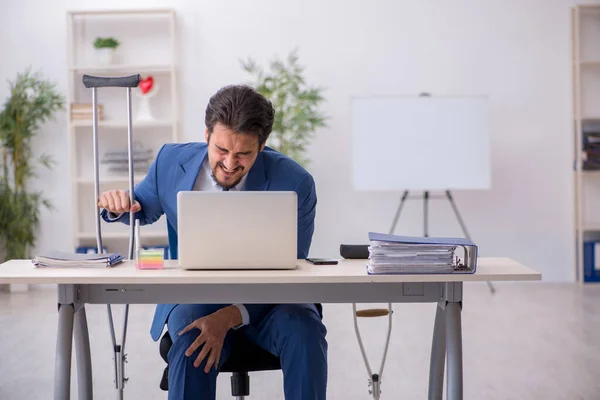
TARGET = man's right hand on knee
(213,329)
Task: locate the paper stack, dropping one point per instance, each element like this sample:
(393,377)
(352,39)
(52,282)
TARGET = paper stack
(390,254)
(118,160)
(58,259)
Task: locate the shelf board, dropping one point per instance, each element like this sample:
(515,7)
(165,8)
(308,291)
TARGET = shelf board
(590,172)
(118,124)
(122,235)
(586,8)
(591,227)
(590,63)
(112,180)
(123,68)
(166,11)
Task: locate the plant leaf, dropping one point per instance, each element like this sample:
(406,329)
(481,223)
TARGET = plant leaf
(297,113)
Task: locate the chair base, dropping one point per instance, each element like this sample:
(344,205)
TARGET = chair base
(240,384)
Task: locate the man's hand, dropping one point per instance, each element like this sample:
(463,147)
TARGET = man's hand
(117,201)
(213,329)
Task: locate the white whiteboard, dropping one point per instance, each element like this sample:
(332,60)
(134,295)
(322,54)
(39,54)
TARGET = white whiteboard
(420,143)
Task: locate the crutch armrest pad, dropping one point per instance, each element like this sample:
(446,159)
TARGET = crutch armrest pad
(131,81)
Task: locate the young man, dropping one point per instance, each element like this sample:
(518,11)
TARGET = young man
(238,122)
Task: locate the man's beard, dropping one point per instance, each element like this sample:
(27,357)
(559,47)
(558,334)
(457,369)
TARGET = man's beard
(221,185)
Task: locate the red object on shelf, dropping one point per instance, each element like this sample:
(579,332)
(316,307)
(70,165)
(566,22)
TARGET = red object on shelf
(146,84)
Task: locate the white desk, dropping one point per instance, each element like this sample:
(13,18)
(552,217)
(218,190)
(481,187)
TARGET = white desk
(346,282)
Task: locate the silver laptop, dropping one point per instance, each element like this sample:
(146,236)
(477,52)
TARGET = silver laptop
(237,230)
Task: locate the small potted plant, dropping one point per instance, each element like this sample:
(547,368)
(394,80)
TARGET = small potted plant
(105,49)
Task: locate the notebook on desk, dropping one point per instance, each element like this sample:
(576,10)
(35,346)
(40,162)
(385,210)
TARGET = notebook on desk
(393,254)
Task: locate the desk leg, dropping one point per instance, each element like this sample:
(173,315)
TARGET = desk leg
(438,356)
(64,346)
(82,351)
(454,347)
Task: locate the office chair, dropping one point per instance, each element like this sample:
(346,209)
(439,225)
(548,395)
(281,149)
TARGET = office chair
(245,356)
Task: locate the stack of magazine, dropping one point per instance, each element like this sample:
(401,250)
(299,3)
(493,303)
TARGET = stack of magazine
(57,259)
(391,254)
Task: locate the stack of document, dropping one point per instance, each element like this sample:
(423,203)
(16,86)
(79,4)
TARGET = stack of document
(118,160)
(390,254)
(58,259)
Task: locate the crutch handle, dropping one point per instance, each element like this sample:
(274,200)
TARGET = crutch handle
(131,81)
(373,312)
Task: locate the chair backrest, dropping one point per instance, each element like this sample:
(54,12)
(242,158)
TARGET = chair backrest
(173,241)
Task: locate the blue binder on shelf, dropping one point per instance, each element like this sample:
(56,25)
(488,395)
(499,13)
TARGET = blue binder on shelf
(591,261)
(393,254)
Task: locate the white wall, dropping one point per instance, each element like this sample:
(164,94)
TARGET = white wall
(516,51)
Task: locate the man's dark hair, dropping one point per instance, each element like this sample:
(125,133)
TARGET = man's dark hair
(243,110)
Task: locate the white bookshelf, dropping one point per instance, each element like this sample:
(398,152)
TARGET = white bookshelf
(585,59)
(148,46)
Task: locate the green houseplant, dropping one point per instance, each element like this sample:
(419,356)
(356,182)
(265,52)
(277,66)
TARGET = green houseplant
(106,43)
(31,102)
(105,49)
(297,114)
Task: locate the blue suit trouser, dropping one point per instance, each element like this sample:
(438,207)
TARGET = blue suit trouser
(293,332)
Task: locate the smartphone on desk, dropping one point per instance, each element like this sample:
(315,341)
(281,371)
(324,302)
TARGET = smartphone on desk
(322,261)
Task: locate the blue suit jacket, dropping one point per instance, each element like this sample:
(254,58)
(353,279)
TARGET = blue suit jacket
(175,169)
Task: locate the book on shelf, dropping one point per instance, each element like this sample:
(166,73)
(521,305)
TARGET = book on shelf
(591,147)
(392,254)
(84,111)
(59,259)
